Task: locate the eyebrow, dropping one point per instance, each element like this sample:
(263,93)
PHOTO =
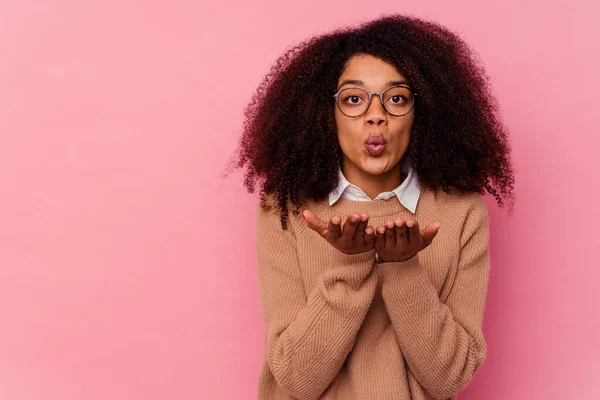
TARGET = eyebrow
(361,83)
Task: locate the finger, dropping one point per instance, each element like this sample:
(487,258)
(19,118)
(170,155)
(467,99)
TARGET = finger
(334,228)
(390,234)
(314,222)
(380,240)
(414,235)
(430,232)
(369,234)
(360,228)
(350,227)
(401,235)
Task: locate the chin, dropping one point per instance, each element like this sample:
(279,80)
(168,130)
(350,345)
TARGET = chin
(375,170)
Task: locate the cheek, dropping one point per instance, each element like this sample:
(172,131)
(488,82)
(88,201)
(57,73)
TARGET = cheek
(349,144)
(346,135)
(405,131)
(403,139)
(341,123)
(401,144)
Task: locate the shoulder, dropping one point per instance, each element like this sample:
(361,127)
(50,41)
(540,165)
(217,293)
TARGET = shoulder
(459,202)
(460,212)
(269,214)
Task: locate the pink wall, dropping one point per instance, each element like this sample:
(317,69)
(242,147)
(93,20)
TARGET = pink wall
(127,266)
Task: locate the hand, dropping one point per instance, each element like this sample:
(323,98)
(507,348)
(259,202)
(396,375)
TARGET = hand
(400,240)
(354,237)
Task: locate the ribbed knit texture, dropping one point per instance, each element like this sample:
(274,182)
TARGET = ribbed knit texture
(340,326)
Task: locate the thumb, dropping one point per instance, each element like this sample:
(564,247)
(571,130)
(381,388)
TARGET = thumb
(430,232)
(314,222)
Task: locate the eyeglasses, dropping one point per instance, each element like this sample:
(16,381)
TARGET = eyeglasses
(396,100)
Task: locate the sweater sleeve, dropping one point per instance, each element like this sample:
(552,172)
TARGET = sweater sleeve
(442,342)
(309,337)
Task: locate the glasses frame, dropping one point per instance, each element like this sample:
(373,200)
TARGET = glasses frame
(380,94)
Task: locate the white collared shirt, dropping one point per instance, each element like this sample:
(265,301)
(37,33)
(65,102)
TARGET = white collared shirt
(407,193)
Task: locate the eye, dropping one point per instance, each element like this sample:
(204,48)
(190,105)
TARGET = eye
(352,99)
(397,99)
(398,96)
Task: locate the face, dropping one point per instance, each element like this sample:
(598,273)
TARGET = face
(359,159)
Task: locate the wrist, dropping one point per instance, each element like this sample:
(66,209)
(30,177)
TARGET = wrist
(380,260)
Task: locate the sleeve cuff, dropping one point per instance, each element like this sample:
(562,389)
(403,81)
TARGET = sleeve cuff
(403,278)
(352,268)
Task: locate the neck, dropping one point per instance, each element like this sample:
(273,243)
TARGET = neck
(373,185)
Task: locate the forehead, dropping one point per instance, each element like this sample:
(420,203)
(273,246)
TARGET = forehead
(373,71)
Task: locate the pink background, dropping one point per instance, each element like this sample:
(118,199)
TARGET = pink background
(127,265)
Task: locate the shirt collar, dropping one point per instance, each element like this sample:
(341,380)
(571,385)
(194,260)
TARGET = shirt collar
(407,193)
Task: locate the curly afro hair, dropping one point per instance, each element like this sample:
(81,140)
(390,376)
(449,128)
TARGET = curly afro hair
(458,141)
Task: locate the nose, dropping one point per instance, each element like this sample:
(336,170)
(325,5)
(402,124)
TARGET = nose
(376,114)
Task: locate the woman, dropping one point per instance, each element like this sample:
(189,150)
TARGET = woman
(380,139)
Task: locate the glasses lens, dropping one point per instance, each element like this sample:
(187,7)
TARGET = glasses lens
(353,101)
(398,100)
